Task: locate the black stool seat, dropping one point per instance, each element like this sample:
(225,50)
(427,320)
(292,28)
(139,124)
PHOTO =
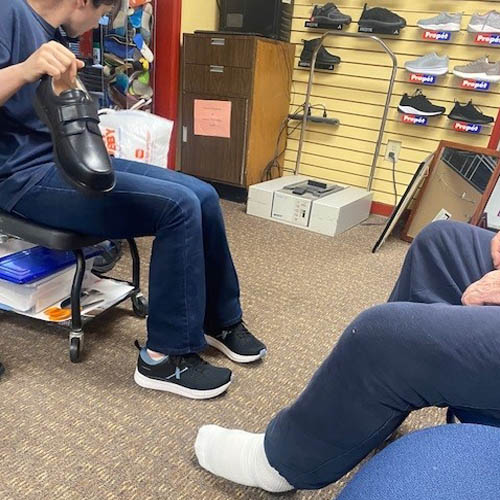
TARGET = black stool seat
(48,237)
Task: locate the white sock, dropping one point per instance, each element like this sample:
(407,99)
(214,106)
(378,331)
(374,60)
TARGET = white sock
(238,456)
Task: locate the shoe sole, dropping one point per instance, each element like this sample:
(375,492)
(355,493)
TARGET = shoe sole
(477,76)
(440,27)
(409,110)
(380,24)
(461,118)
(479,28)
(159,385)
(428,71)
(328,21)
(237,358)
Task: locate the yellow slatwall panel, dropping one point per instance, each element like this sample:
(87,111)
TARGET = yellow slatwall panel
(356,92)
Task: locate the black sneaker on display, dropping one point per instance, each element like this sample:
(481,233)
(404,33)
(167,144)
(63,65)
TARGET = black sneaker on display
(237,343)
(419,105)
(188,375)
(380,19)
(329,15)
(469,113)
(324,58)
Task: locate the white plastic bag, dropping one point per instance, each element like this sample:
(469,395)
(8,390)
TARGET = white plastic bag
(137,135)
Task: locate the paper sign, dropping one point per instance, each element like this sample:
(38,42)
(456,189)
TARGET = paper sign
(212,118)
(442,215)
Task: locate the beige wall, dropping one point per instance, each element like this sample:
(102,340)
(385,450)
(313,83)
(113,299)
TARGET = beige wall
(355,93)
(199,15)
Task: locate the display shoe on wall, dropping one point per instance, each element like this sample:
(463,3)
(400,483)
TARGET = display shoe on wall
(485,23)
(79,149)
(378,19)
(324,57)
(481,69)
(430,64)
(469,113)
(419,105)
(443,22)
(329,15)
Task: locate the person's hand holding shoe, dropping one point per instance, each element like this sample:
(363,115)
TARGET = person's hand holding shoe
(64,105)
(55,60)
(486,291)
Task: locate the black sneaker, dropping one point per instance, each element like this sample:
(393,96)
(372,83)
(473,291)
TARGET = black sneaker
(111,253)
(380,19)
(329,15)
(419,105)
(324,57)
(237,343)
(469,113)
(188,375)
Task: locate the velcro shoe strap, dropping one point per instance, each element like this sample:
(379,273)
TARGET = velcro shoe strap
(76,112)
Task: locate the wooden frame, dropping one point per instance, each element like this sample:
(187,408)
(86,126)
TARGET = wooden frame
(482,201)
(405,200)
(480,217)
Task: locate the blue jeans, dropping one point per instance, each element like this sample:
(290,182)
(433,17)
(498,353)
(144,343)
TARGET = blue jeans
(421,349)
(193,284)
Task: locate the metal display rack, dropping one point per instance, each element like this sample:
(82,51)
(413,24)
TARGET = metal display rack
(390,90)
(119,61)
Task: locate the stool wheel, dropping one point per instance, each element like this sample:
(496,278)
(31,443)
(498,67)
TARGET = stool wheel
(140,305)
(75,350)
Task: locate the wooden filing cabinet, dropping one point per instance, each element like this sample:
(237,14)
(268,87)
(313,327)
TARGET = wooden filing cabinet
(255,75)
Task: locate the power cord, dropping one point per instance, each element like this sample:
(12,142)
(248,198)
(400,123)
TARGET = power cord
(318,106)
(267,174)
(392,156)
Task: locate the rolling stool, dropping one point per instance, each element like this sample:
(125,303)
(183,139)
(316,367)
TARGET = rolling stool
(56,239)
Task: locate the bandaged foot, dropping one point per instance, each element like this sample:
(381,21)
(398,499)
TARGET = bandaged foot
(238,456)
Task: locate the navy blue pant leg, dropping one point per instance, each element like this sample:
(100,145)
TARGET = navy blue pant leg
(444,259)
(193,281)
(395,358)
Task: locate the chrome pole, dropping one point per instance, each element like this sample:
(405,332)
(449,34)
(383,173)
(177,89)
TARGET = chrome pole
(386,107)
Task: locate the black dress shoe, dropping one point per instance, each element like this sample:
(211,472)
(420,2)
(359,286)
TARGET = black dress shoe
(79,149)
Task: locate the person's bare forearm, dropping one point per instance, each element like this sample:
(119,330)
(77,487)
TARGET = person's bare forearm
(12,79)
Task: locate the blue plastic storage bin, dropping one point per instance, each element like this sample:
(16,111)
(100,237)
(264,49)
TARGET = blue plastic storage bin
(37,263)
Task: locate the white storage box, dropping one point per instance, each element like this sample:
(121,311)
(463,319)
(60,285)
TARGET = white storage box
(37,296)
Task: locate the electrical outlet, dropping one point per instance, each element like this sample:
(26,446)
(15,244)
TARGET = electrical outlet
(393,147)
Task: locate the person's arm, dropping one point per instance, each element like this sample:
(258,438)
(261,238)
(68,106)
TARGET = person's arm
(11,80)
(51,59)
(495,250)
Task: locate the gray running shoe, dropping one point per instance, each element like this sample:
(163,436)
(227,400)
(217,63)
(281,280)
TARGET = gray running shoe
(430,64)
(444,21)
(485,23)
(481,69)
(493,74)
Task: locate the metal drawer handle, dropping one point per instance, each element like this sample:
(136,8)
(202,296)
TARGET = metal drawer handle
(218,41)
(216,69)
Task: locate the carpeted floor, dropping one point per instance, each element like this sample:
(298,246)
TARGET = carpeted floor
(87,431)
